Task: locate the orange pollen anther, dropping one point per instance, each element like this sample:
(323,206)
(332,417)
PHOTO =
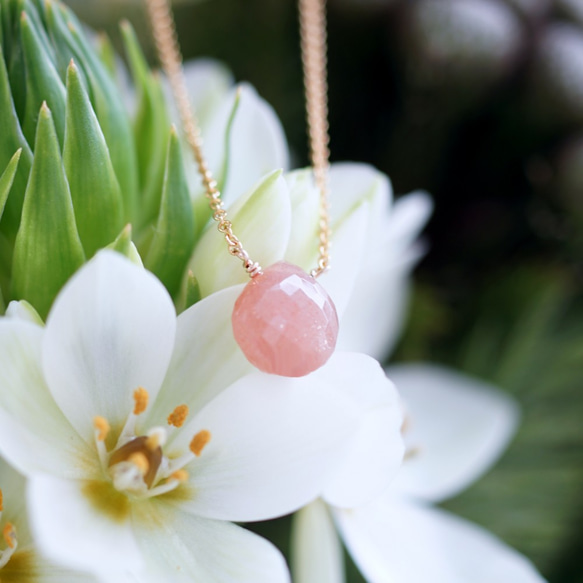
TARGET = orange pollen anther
(140,461)
(178,416)
(180,475)
(199,442)
(141,398)
(102,426)
(9,533)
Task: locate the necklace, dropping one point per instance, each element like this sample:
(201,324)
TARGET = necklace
(284,321)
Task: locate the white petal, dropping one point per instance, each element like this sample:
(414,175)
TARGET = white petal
(457,428)
(262,220)
(348,250)
(409,215)
(375,450)
(22,310)
(244,141)
(376,311)
(275,441)
(181,548)
(74,531)
(305,204)
(348,239)
(110,331)
(257,144)
(351,183)
(206,358)
(12,487)
(207,81)
(402,542)
(377,308)
(34,434)
(317,555)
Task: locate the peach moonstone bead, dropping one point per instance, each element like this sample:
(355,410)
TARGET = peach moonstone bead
(285,322)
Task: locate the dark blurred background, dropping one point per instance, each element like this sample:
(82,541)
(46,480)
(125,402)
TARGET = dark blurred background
(480,102)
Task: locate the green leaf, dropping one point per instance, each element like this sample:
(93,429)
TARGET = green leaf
(173,239)
(106,53)
(123,244)
(15,59)
(7,179)
(107,103)
(94,188)
(192,291)
(150,127)
(12,139)
(47,249)
(36,13)
(2,304)
(43,83)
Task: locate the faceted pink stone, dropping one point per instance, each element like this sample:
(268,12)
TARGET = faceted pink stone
(285,322)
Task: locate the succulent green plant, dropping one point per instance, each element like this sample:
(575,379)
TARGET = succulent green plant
(75,167)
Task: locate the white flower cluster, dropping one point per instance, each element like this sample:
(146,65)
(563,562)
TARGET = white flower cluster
(136,438)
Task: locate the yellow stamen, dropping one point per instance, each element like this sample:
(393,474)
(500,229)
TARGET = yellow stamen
(411,453)
(9,533)
(102,426)
(199,442)
(140,461)
(1,500)
(180,475)
(156,438)
(141,398)
(178,416)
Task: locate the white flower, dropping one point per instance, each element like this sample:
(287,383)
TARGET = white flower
(19,558)
(373,246)
(243,138)
(456,427)
(142,434)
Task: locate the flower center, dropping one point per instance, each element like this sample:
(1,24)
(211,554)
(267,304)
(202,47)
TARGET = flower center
(9,535)
(137,464)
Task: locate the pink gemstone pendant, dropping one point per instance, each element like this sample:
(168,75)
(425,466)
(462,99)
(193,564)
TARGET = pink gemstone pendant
(285,322)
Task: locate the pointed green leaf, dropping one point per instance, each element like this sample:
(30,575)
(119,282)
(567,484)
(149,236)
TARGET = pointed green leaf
(192,291)
(107,102)
(12,140)
(7,179)
(6,253)
(2,25)
(15,60)
(36,13)
(42,82)
(106,53)
(47,249)
(94,188)
(150,127)
(174,235)
(123,244)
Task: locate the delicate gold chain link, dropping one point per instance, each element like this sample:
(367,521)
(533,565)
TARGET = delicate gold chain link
(313,35)
(313,31)
(164,32)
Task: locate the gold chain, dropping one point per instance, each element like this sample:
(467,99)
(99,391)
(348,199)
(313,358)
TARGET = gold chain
(313,35)
(313,31)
